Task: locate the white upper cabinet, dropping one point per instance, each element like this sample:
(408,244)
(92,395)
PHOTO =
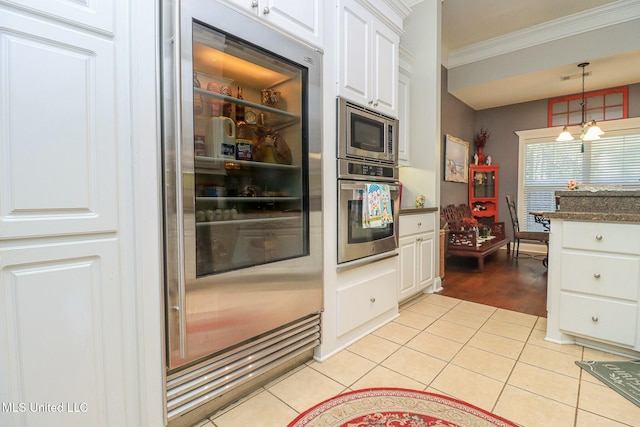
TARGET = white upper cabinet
(368,61)
(97,14)
(404,107)
(300,18)
(404,91)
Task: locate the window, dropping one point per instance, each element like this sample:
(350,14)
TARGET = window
(601,105)
(547,165)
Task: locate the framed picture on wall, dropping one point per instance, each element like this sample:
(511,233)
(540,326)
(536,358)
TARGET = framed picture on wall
(456,164)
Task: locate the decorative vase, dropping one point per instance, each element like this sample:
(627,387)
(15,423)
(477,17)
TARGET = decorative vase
(481,156)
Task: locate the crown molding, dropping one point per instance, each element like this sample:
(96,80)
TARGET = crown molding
(397,7)
(592,19)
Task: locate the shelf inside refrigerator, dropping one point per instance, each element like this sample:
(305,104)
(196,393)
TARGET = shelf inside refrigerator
(247,199)
(268,116)
(243,220)
(204,163)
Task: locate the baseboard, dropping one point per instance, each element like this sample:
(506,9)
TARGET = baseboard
(535,248)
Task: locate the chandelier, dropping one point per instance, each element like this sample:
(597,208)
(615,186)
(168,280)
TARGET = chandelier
(590,130)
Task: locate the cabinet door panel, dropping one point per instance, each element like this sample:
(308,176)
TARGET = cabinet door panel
(302,18)
(605,237)
(60,324)
(404,86)
(58,160)
(598,318)
(98,14)
(364,301)
(425,254)
(420,223)
(408,256)
(385,69)
(614,276)
(355,54)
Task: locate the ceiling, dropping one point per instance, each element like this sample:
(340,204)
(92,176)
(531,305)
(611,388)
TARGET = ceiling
(471,27)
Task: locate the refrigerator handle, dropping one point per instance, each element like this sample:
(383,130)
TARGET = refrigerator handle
(177,111)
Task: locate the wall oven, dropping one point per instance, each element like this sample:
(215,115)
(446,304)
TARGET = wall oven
(366,134)
(356,241)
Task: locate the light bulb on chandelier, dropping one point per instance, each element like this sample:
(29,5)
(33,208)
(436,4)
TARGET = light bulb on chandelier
(590,130)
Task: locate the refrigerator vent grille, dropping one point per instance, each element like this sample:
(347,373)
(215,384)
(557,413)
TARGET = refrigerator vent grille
(192,388)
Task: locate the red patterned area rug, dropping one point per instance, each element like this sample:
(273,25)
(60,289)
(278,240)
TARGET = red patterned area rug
(396,407)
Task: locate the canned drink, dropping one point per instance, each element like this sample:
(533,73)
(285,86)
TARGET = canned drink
(199,147)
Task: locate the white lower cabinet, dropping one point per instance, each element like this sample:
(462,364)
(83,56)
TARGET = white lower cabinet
(364,301)
(598,318)
(594,284)
(416,245)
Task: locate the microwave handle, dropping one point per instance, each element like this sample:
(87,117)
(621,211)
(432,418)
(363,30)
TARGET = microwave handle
(361,186)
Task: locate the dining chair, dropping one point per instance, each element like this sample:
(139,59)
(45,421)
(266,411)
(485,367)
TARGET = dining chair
(532,236)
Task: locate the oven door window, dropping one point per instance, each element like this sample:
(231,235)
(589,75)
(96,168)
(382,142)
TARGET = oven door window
(356,232)
(367,134)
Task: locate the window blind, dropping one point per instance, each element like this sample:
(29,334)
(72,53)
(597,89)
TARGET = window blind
(548,165)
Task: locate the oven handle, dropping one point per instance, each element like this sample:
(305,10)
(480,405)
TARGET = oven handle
(361,186)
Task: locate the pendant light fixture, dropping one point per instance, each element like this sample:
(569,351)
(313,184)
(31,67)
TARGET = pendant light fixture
(590,131)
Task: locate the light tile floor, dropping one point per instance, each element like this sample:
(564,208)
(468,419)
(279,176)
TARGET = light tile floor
(492,358)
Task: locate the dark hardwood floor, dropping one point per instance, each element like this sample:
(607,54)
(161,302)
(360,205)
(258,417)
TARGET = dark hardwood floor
(513,284)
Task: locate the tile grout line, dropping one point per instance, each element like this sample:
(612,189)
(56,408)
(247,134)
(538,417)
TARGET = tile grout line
(506,381)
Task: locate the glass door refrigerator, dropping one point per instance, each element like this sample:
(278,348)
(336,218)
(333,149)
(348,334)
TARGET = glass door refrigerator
(243,251)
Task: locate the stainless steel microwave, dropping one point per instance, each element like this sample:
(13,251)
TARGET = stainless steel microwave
(365,134)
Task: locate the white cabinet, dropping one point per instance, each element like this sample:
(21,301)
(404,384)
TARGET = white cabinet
(300,18)
(365,300)
(368,59)
(594,283)
(416,247)
(404,109)
(72,247)
(97,15)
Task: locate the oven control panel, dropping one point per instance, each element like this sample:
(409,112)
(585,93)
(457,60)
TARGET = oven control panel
(350,169)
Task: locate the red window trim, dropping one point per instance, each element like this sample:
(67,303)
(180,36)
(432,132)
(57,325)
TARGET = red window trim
(625,102)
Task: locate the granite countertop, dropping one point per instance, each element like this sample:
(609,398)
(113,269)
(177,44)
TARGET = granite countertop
(409,211)
(599,193)
(593,216)
(602,205)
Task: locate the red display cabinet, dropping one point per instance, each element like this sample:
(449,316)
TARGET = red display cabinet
(483,193)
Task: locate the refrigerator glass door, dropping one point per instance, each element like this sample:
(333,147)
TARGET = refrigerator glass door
(250,204)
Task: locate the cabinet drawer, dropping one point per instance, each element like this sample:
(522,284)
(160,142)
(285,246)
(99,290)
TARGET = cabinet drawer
(608,275)
(419,223)
(364,301)
(606,237)
(598,318)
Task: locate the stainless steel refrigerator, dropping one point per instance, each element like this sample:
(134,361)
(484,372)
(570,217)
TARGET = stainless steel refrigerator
(241,116)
